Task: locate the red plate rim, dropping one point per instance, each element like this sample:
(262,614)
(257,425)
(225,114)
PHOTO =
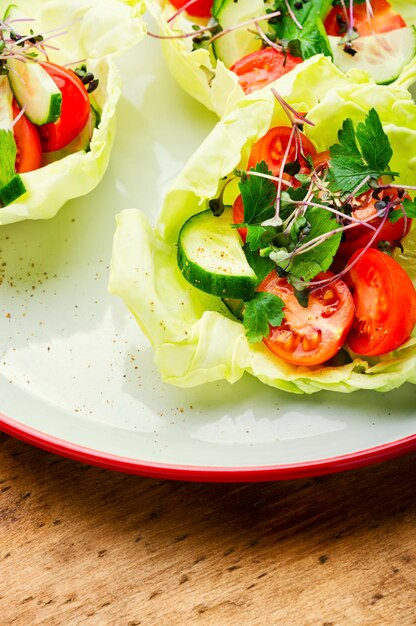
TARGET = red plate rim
(305,469)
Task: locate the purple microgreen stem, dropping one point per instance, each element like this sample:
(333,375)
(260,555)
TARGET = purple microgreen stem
(293,115)
(392,186)
(194,33)
(351,18)
(254,20)
(357,189)
(267,40)
(293,16)
(282,167)
(369,9)
(18,116)
(181,10)
(349,266)
(204,29)
(335,212)
(75,62)
(268,176)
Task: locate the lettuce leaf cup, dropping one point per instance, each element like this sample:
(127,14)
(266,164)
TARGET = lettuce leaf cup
(195,337)
(82,36)
(218,68)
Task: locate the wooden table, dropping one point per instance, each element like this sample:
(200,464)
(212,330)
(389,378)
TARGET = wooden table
(81,545)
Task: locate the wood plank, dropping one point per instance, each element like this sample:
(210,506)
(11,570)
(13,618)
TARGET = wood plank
(81,545)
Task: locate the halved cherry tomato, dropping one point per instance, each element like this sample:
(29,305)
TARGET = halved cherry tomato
(75,109)
(312,335)
(272,147)
(385,19)
(385,304)
(238,216)
(358,237)
(200,8)
(262,67)
(29,149)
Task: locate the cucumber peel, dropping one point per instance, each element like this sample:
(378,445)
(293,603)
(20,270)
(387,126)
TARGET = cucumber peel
(12,190)
(211,258)
(35,90)
(382,55)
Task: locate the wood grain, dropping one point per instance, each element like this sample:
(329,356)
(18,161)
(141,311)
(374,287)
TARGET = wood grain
(81,545)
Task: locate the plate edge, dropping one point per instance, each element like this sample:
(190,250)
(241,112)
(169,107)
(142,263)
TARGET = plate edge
(191,473)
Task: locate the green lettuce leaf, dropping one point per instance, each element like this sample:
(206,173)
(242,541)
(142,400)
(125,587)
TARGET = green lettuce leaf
(210,82)
(194,337)
(96,37)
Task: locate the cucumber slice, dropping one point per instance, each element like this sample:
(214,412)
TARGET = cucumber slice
(237,43)
(35,90)
(211,258)
(12,190)
(382,55)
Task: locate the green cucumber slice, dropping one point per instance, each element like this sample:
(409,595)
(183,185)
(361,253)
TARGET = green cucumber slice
(14,187)
(12,190)
(35,90)
(382,55)
(237,43)
(211,258)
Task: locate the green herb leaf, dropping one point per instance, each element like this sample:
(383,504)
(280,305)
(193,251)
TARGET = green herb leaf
(311,39)
(307,265)
(349,166)
(264,309)
(7,156)
(374,143)
(259,236)
(409,209)
(262,266)
(258,196)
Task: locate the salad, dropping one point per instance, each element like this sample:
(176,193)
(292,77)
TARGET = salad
(217,50)
(58,93)
(286,247)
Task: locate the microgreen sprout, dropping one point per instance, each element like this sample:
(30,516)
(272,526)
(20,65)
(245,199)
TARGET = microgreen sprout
(214,29)
(29,48)
(292,15)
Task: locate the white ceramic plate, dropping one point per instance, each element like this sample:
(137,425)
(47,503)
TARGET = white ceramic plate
(77,376)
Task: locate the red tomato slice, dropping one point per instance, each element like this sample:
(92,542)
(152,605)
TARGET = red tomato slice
(29,149)
(385,304)
(238,216)
(262,67)
(75,109)
(355,238)
(272,147)
(200,8)
(312,335)
(385,19)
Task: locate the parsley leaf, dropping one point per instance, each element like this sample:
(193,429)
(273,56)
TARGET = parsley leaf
(261,265)
(409,208)
(312,38)
(348,165)
(7,156)
(264,309)
(259,236)
(374,143)
(258,195)
(307,265)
